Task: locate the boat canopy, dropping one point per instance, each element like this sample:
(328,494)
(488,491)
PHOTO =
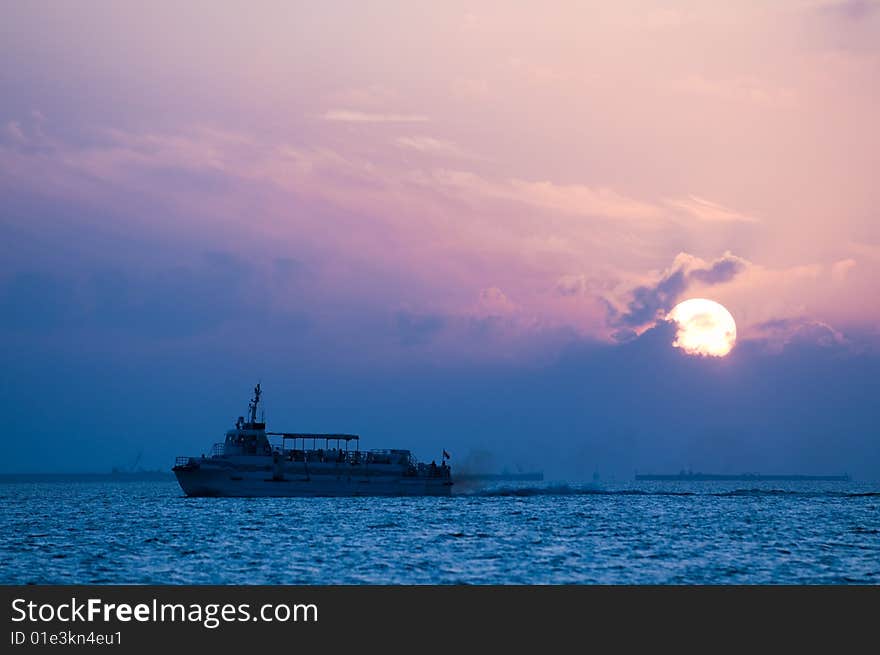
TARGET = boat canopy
(310,435)
(315,438)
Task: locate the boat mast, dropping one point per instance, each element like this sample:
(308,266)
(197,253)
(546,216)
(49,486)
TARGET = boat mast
(252,406)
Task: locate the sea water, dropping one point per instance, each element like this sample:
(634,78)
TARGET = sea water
(630,533)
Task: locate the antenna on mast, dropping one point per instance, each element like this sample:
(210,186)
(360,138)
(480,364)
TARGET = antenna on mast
(252,406)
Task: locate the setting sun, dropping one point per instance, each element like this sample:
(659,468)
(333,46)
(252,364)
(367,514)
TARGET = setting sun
(705,327)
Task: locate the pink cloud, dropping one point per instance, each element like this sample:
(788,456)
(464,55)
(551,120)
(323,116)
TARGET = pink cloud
(706,210)
(431,146)
(354,116)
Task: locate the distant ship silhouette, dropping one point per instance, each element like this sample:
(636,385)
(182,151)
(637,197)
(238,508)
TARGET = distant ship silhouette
(741,477)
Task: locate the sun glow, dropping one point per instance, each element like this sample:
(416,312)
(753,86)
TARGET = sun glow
(705,327)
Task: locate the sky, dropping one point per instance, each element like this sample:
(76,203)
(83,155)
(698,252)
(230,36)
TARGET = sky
(450,225)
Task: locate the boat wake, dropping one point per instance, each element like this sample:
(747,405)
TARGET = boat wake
(567,490)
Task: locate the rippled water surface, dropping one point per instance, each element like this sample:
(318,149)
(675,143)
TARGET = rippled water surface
(719,533)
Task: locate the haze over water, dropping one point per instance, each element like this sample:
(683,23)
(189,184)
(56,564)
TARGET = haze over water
(629,533)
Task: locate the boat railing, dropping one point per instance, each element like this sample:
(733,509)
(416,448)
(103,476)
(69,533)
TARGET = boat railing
(218,448)
(432,470)
(321,455)
(354,457)
(182,460)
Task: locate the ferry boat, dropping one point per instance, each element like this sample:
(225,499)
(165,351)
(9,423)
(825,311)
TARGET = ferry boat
(249,464)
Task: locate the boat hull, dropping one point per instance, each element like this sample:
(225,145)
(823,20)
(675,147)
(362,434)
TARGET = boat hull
(218,482)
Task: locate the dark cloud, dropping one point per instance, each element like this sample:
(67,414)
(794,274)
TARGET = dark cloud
(624,334)
(648,303)
(791,332)
(722,270)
